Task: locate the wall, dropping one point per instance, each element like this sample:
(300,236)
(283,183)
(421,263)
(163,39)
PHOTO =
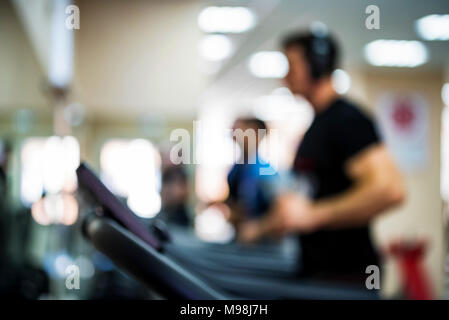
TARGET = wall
(138,56)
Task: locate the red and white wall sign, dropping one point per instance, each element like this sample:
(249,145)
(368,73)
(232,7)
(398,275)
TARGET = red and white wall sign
(404,123)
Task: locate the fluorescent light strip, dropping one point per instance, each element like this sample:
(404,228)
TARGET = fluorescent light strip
(268,64)
(433,27)
(215,47)
(226,19)
(396,53)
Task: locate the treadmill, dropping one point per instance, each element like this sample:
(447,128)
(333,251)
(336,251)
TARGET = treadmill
(176,265)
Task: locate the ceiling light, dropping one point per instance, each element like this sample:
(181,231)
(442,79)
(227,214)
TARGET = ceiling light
(268,64)
(319,29)
(215,47)
(282,91)
(341,81)
(433,27)
(226,19)
(396,53)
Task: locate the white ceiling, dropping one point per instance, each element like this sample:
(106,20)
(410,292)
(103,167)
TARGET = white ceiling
(139,58)
(346,21)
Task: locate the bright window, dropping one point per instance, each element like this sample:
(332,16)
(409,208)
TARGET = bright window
(131,169)
(48,165)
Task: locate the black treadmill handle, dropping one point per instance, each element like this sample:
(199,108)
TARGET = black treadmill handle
(146,264)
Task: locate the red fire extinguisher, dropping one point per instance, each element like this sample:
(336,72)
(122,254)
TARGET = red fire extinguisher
(409,255)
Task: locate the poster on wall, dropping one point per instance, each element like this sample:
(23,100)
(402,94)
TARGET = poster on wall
(404,124)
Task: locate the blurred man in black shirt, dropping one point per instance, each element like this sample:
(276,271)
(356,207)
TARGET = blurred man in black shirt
(351,173)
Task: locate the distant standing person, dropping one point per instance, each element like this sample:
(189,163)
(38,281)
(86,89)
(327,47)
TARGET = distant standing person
(175,196)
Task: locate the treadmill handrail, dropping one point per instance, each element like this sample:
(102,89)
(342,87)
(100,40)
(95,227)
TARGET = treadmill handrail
(153,268)
(108,200)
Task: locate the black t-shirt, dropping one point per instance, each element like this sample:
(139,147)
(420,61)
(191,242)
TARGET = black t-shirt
(337,134)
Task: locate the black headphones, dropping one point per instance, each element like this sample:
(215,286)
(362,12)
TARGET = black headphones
(320,55)
(319,49)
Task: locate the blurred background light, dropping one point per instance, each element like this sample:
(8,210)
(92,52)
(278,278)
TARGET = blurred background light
(211,183)
(444,181)
(113,162)
(433,27)
(215,47)
(60,71)
(145,204)
(38,213)
(31,187)
(53,165)
(87,269)
(61,262)
(396,53)
(341,81)
(282,91)
(60,159)
(268,64)
(131,169)
(445,93)
(226,19)
(275,107)
(69,210)
(48,165)
(55,208)
(215,152)
(211,226)
(319,29)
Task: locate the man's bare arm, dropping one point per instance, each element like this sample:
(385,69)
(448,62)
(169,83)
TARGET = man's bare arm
(377,187)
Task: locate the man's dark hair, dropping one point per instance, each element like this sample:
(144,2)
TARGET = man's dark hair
(321,51)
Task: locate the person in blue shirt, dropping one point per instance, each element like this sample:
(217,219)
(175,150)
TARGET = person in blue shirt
(249,184)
